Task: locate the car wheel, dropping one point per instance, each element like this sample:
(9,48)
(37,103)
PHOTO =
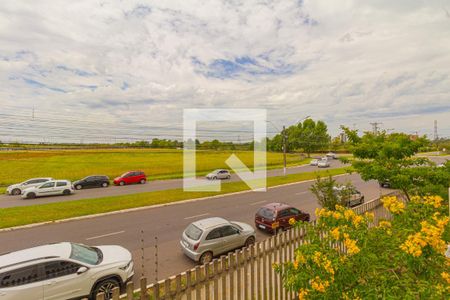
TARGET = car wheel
(16,192)
(78,186)
(142,181)
(250,241)
(278,230)
(122,183)
(105,184)
(31,195)
(214,178)
(229,176)
(66,192)
(206,258)
(105,287)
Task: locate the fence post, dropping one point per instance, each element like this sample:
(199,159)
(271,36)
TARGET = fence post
(252,271)
(216,279)
(100,296)
(189,284)
(207,266)
(143,284)
(115,293)
(269,266)
(167,291)
(130,290)
(231,272)
(197,283)
(238,273)
(155,292)
(224,273)
(178,286)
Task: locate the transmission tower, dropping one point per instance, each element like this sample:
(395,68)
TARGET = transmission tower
(375,127)
(436,137)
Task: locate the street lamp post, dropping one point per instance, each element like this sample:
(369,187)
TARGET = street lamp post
(283,133)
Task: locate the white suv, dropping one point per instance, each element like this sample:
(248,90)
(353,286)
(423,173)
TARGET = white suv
(16,189)
(53,187)
(64,271)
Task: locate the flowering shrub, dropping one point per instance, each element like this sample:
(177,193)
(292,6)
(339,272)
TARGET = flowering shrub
(345,257)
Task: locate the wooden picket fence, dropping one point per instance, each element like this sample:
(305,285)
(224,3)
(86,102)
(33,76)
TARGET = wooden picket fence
(244,274)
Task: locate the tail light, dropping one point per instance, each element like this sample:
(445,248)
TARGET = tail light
(196,246)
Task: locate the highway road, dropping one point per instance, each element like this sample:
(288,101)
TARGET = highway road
(167,223)
(151,185)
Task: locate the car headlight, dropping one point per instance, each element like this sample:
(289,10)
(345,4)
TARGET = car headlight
(126,266)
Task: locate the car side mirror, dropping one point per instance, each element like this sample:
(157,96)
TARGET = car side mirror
(81,270)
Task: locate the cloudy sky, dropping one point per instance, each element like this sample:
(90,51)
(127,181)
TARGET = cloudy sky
(129,68)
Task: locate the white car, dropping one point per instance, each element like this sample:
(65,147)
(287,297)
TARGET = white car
(323,163)
(49,188)
(16,189)
(64,271)
(314,162)
(331,155)
(219,174)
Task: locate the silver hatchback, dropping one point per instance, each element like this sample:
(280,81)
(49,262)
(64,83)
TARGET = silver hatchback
(204,239)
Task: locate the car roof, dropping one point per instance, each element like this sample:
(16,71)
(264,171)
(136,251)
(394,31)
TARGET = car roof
(210,223)
(61,250)
(48,178)
(277,206)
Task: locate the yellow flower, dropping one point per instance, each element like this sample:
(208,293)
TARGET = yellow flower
(337,215)
(385,224)
(392,204)
(339,207)
(434,201)
(296,264)
(357,220)
(349,214)
(291,221)
(446,277)
(300,258)
(369,216)
(351,246)
(335,233)
(302,294)
(319,285)
(317,257)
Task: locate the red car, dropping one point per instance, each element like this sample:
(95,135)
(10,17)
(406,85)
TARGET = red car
(274,217)
(130,178)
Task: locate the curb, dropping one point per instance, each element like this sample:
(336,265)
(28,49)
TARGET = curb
(150,206)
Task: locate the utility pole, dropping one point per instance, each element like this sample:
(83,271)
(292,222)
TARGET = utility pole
(436,137)
(284,150)
(375,127)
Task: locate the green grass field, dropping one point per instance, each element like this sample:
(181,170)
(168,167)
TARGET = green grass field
(17,166)
(16,216)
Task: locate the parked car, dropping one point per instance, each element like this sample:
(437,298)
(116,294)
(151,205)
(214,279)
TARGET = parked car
(64,271)
(219,174)
(331,155)
(314,162)
(92,182)
(274,217)
(385,183)
(49,188)
(323,163)
(204,239)
(130,178)
(352,195)
(16,189)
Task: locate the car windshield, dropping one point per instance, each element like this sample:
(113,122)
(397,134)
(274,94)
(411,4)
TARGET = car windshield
(266,213)
(86,254)
(193,232)
(124,174)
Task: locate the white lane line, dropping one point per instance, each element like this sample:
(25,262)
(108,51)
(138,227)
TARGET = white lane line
(301,193)
(259,202)
(193,217)
(105,235)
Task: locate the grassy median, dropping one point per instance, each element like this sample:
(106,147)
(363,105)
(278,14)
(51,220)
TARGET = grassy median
(16,216)
(18,166)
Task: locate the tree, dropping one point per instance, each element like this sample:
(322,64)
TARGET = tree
(390,157)
(326,194)
(309,136)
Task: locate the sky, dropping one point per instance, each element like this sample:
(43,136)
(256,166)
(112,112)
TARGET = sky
(114,69)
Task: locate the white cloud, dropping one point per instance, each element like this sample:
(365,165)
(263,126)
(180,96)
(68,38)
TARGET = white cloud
(143,61)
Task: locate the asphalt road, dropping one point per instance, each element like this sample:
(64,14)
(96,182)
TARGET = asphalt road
(167,223)
(151,185)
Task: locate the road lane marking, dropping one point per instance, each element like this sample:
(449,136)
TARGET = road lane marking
(301,193)
(259,202)
(193,217)
(105,235)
